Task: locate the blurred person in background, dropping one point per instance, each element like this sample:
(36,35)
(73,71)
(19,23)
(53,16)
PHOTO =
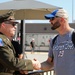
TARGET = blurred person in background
(18,49)
(32,45)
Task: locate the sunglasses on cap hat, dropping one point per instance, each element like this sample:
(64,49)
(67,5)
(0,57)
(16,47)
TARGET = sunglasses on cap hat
(52,18)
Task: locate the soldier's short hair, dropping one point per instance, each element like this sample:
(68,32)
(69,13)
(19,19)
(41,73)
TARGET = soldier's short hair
(7,16)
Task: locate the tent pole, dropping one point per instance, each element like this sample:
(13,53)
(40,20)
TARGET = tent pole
(22,41)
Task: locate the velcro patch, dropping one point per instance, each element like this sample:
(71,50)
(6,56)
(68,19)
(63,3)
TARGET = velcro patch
(1,42)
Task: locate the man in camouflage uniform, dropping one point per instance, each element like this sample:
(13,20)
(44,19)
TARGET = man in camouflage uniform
(8,60)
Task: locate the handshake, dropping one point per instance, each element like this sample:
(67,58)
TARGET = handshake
(36,66)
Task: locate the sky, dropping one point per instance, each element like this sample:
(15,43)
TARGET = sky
(68,5)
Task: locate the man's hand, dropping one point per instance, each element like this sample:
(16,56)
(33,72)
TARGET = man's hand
(36,64)
(23,72)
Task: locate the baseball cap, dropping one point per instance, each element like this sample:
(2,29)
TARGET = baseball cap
(7,16)
(57,13)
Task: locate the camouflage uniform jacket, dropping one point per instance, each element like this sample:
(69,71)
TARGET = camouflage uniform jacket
(8,61)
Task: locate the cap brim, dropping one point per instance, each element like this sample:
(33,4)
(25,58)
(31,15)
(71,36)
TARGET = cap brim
(48,16)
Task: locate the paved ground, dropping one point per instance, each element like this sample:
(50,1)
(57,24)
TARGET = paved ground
(41,56)
(37,49)
(41,53)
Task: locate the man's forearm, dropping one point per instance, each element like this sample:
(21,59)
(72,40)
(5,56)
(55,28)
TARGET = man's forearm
(46,66)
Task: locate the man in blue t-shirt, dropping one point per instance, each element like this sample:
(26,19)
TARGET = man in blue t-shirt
(62,54)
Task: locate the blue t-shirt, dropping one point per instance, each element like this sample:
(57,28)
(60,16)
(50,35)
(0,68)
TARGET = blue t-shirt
(64,54)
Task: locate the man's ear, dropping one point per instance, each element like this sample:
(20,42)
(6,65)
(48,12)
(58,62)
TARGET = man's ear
(3,25)
(62,19)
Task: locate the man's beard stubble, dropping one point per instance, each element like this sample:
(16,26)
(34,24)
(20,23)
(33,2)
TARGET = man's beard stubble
(55,25)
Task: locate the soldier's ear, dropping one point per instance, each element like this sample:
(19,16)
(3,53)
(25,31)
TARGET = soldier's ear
(3,24)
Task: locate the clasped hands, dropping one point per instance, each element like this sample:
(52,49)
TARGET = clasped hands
(36,65)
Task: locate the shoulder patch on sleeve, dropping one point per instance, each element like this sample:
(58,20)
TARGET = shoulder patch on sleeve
(1,42)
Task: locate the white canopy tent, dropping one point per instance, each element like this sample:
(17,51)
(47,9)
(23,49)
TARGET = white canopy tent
(26,10)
